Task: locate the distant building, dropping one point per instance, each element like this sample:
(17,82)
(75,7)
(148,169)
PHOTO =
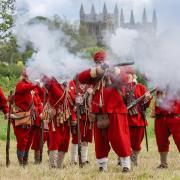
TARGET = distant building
(96,24)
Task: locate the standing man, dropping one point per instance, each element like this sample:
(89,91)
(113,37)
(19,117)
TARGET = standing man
(167,122)
(27,111)
(86,126)
(136,115)
(61,98)
(109,109)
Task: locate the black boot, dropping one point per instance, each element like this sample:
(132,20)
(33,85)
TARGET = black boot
(25,159)
(20,156)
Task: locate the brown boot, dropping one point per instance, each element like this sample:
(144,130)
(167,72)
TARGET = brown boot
(134,157)
(37,159)
(163,159)
(20,160)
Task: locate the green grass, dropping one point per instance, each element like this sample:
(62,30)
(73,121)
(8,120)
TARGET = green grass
(3,128)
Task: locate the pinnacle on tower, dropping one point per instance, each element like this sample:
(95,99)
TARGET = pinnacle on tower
(144,18)
(132,21)
(82,9)
(82,12)
(93,10)
(116,10)
(122,18)
(105,9)
(154,19)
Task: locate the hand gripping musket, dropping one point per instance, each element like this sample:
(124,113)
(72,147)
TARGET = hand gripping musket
(78,124)
(42,131)
(8,132)
(134,103)
(143,114)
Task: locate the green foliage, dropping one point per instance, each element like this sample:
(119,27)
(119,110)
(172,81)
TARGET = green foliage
(13,70)
(7,8)
(141,79)
(3,125)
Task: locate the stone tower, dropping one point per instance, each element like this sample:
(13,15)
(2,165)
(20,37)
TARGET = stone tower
(98,23)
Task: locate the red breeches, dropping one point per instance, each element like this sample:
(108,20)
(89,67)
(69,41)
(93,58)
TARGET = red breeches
(136,137)
(164,127)
(36,131)
(63,137)
(117,134)
(23,137)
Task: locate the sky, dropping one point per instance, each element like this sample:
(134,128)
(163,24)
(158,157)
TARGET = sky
(168,11)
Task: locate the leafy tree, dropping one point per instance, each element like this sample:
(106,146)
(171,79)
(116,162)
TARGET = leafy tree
(7,8)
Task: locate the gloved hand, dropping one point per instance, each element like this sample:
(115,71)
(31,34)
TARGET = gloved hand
(101,69)
(104,66)
(79,99)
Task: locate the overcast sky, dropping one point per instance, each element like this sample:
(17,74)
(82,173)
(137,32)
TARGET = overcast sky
(168,11)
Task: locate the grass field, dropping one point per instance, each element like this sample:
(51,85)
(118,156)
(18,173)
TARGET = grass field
(146,169)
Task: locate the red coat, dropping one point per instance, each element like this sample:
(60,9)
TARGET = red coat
(139,90)
(112,100)
(24,99)
(22,96)
(58,98)
(3,103)
(164,106)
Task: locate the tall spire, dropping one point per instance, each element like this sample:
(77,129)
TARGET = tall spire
(154,19)
(116,10)
(82,9)
(116,16)
(144,18)
(105,9)
(81,12)
(93,10)
(122,18)
(132,21)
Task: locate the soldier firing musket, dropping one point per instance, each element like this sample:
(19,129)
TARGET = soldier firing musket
(109,111)
(137,100)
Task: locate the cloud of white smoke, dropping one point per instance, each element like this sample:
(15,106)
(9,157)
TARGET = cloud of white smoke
(158,57)
(51,57)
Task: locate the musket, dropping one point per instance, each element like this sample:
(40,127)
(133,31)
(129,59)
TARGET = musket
(8,132)
(78,124)
(124,64)
(107,66)
(134,103)
(42,131)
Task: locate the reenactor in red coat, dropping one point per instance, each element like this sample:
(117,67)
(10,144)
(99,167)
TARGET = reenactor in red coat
(136,115)
(109,109)
(166,112)
(27,107)
(61,98)
(86,126)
